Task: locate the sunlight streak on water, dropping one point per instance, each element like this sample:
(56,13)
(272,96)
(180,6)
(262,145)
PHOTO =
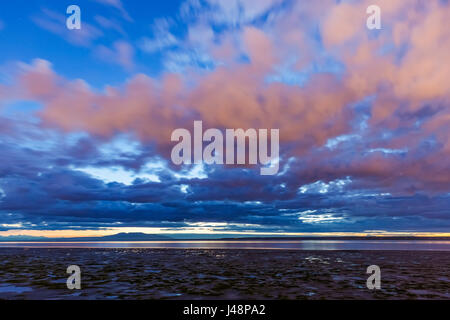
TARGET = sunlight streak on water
(267,244)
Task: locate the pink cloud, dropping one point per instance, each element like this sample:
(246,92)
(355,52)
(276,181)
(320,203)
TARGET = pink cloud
(236,95)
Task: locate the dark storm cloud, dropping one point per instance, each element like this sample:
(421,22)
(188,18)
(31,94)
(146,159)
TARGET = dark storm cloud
(42,190)
(364,125)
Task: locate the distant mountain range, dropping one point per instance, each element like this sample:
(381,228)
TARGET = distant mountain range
(158,237)
(115,237)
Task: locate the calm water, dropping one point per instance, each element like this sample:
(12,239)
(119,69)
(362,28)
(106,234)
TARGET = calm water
(266,244)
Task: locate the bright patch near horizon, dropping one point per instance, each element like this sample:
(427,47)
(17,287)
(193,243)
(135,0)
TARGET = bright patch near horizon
(117,174)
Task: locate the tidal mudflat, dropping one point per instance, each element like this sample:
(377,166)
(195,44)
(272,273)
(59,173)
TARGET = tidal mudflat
(39,273)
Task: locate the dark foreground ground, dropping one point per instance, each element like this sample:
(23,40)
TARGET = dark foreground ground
(222,274)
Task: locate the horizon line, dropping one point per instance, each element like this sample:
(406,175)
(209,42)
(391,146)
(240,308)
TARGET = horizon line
(52,234)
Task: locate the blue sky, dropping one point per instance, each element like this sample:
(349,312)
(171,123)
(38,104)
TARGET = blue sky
(86,116)
(24,38)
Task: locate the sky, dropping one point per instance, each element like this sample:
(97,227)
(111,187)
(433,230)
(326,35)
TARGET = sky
(86,116)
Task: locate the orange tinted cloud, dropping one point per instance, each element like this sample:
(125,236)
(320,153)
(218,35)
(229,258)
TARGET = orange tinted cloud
(405,68)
